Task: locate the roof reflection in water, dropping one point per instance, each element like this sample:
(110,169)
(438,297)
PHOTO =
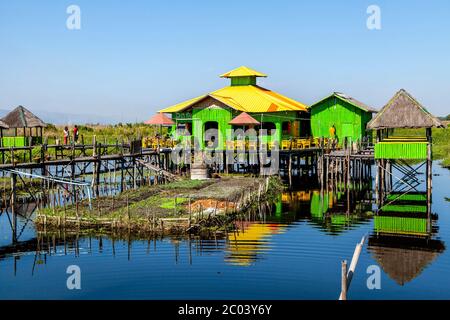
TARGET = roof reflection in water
(245,246)
(404,241)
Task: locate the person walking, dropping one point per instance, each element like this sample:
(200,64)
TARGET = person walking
(75,134)
(66,135)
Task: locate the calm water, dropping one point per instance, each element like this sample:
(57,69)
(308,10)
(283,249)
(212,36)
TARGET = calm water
(294,254)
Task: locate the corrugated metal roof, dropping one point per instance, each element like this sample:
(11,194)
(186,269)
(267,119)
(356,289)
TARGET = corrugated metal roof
(247,99)
(355,102)
(244,119)
(182,105)
(160,119)
(348,99)
(243,72)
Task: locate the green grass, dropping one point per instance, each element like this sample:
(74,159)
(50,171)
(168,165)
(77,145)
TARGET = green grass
(109,134)
(441,145)
(169,203)
(441,142)
(159,199)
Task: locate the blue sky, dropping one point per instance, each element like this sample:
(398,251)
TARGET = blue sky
(131,58)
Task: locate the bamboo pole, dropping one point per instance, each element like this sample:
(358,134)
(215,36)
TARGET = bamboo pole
(351,269)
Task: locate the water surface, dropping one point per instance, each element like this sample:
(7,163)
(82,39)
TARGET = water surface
(295,253)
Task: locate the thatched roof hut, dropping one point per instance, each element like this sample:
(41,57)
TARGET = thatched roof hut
(3,125)
(21,117)
(403,111)
(404,259)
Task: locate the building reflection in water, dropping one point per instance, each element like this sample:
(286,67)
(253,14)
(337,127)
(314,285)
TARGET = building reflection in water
(332,211)
(245,247)
(405,238)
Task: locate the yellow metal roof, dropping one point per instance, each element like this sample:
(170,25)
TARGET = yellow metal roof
(182,105)
(243,72)
(252,99)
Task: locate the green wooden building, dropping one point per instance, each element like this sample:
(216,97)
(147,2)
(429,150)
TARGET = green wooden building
(348,116)
(215,110)
(23,128)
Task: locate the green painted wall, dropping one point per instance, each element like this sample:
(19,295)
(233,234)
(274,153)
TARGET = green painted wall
(348,120)
(221,115)
(401,150)
(15,142)
(211,110)
(243,81)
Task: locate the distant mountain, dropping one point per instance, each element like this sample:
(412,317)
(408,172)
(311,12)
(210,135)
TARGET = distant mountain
(66,118)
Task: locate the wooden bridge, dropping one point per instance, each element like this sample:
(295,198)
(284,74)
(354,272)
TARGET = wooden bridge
(137,165)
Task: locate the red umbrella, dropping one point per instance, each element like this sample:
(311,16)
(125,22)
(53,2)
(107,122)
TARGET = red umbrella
(244,119)
(160,119)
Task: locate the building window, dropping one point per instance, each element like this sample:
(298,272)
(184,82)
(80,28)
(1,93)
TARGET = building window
(286,127)
(268,126)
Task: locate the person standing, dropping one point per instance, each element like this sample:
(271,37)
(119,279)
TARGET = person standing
(66,135)
(75,134)
(332,131)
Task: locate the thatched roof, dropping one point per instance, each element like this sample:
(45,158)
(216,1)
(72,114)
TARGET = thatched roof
(403,111)
(403,262)
(21,117)
(3,125)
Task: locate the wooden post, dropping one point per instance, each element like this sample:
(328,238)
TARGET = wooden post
(13,190)
(343,280)
(128,209)
(94,146)
(190,212)
(429,171)
(377,183)
(175,205)
(351,271)
(290,170)
(13,203)
(122,168)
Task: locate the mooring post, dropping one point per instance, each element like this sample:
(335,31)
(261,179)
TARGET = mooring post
(122,168)
(190,211)
(13,203)
(290,170)
(351,271)
(429,170)
(343,280)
